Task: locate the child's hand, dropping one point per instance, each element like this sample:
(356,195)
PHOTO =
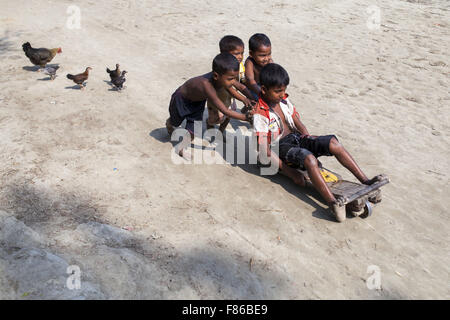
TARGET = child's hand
(249,116)
(248,105)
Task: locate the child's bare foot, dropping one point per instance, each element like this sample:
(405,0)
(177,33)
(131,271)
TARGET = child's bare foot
(338,210)
(373,180)
(185,154)
(169,127)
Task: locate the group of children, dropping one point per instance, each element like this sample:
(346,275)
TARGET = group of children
(261,86)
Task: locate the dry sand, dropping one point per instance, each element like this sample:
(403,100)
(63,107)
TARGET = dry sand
(87,177)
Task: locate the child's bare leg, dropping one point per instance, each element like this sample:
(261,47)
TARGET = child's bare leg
(321,186)
(182,150)
(312,167)
(224,124)
(169,127)
(319,183)
(209,125)
(213,117)
(347,161)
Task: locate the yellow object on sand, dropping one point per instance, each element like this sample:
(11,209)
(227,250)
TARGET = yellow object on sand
(328,176)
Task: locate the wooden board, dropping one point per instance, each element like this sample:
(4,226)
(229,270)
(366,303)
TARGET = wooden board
(350,191)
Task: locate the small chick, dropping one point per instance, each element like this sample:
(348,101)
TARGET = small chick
(51,71)
(118,82)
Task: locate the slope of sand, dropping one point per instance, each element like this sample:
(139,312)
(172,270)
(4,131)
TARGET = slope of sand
(87,177)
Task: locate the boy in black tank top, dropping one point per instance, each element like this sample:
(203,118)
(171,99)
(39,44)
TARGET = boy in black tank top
(260,55)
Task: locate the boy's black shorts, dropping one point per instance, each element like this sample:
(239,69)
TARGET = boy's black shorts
(294,148)
(181,108)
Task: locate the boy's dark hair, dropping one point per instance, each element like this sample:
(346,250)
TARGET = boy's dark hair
(229,43)
(257,40)
(273,75)
(224,62)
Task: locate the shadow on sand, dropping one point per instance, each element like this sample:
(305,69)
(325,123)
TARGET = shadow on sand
(75,87)
(209,270)
(37,68)
(304,194)
(31,68)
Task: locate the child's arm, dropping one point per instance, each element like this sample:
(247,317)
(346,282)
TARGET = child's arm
(299,125)
(243,89)
(250,77)
(246,99)
(212,96)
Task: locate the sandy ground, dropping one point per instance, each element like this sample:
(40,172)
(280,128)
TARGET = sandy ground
(87,177)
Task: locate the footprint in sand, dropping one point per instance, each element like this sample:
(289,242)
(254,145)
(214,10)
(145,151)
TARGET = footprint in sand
(313,85)
(438,64)
(435,133)
(413,99)
(305,91)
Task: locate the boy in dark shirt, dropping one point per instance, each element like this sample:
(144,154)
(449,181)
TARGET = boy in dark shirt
(188,101)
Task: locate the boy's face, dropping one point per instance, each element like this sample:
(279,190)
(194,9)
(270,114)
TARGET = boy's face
(273,95)
(238,52)
(226,80)
(262,56)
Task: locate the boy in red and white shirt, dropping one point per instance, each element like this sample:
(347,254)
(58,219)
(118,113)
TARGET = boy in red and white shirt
(276,121)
